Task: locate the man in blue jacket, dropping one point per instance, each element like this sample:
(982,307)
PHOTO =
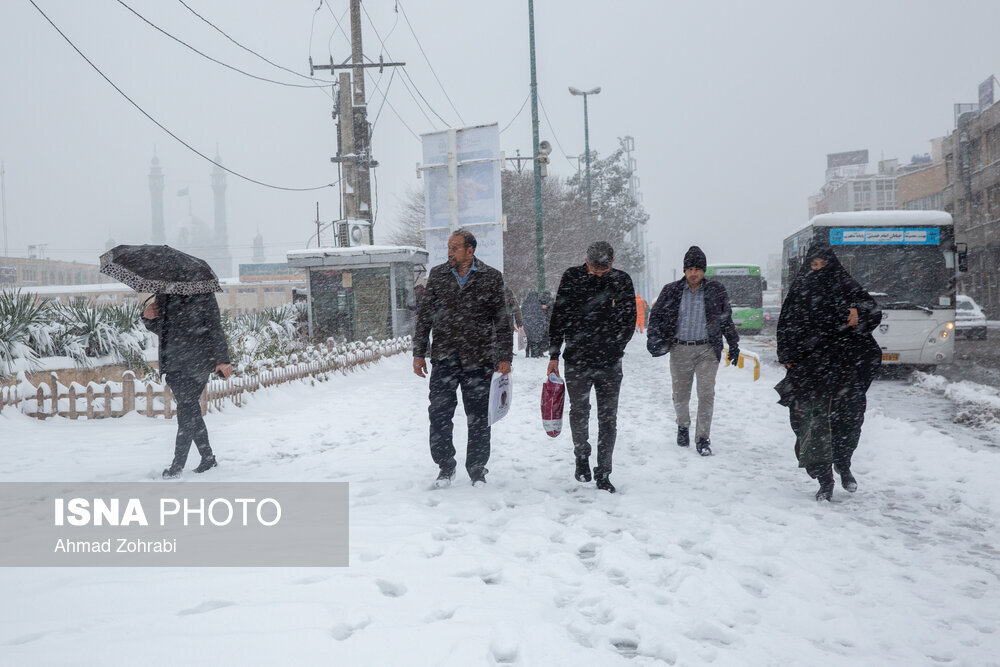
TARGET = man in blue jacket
(689,320)
(464,308)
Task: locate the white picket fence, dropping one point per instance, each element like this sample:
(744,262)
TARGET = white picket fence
(152,399)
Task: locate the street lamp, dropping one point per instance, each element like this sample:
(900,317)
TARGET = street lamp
(586,138)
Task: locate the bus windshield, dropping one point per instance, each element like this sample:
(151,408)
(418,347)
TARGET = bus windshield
(744,291)
(901,277)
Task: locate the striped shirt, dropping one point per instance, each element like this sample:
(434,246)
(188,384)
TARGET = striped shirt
(691,315)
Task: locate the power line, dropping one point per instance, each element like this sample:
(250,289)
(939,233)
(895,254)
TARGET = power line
(385,96)
(312,27)
(406,74)
(526,97)
(385,99)
(553,130)
(215,60)
(248,49)
(340,27)
(421,47)
(160,125)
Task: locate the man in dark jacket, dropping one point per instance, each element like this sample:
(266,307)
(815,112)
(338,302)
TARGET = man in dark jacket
(689,320)
(594,315)
(825,341)
(465,308)
(192,347)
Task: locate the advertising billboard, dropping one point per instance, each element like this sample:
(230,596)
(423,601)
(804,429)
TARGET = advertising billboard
(844,159)
(461,174)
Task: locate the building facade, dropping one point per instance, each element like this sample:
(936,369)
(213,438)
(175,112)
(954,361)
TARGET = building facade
(17,272)
(972,196)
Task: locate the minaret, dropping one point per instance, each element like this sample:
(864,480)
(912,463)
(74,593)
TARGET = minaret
(258,249)
(156,197)
(222,262)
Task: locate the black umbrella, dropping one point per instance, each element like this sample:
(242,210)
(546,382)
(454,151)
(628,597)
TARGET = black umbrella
(159,269)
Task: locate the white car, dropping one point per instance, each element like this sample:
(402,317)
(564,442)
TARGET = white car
(969,317)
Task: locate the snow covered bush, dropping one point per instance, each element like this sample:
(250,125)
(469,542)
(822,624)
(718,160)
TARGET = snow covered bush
(263,338)
(89,335)
(23,332)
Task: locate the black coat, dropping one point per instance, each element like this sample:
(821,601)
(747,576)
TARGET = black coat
(662,327)
(827,356)
(190,330)
(536,322)
(470,324)
(594,316)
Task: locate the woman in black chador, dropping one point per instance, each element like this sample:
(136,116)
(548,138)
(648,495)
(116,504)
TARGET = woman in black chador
(192,347)
(536,325)
(825,341)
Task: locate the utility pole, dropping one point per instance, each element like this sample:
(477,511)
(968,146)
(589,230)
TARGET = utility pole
(354,138)
(539,231)
(519,160)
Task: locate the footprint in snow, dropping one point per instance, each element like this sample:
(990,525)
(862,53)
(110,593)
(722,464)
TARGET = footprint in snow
(628,648)
(503,653)
(204,607)
(439,615)
(390,589)
(343,631)
(26,639)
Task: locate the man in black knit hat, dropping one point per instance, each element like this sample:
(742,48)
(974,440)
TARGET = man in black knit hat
(689,320)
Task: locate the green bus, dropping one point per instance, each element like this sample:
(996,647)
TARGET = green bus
(746,293)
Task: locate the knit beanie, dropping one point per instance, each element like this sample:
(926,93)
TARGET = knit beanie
(694,258)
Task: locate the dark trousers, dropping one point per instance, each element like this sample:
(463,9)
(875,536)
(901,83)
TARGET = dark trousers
(827,430)
(447,375)
(606,382)
(190,426)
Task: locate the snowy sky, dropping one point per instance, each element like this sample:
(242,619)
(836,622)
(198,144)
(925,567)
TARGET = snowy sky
(733,106)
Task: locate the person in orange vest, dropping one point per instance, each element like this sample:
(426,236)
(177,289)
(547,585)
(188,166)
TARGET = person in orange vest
(640,313)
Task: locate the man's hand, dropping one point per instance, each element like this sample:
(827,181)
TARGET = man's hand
(152,311)
(852,317)
(420,367)
(225,369)
(503,368)
(734,355)
(553,367)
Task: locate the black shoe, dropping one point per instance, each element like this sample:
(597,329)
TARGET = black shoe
(683,440)
(444,478)
(604,484)
(173,471)
(847,479)
(478,476)
(704,446)
(582,469)
(207,463)
(825,479)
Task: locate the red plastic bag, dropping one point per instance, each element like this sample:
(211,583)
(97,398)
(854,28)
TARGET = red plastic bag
(553,396)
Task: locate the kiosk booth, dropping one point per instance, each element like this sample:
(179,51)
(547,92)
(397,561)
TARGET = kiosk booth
(361,291)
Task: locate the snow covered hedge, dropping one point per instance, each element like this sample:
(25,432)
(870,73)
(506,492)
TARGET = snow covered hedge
(31,329)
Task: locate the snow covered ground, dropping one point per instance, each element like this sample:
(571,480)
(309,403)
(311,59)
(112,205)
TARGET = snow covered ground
(725,560)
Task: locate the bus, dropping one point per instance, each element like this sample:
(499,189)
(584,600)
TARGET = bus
(908,261)
(746,288)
